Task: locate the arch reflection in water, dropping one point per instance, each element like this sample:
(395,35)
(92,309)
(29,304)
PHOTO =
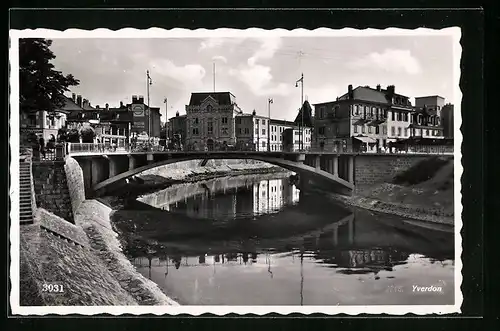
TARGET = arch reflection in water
(225,198)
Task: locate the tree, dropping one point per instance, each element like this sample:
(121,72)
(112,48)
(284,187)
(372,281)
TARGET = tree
(41,86)
(88,134)
(73,136)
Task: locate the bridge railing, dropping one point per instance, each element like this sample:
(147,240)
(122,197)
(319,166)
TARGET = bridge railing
(92,148)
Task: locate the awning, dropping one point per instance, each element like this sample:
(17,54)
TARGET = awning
(366,140)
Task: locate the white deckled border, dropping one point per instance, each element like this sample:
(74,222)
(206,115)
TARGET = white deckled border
(453,32)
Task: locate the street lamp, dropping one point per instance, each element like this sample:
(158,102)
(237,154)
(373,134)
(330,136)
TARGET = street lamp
(166,115)
(149,82)
(301,80)
(269,102)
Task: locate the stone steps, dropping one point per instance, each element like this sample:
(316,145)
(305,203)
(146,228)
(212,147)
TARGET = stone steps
(25,203)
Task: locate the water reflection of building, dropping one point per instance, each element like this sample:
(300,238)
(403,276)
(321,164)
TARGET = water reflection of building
(249,198)
(270,195)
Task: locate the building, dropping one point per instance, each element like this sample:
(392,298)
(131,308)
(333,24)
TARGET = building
(305,118)
(178,125)
(426,121)
(364,118)
(277,127)
(144,118)
(447,120)
(47,124)
(255,132)
(210,120)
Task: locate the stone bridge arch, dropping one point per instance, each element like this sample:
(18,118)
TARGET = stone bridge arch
(102,172)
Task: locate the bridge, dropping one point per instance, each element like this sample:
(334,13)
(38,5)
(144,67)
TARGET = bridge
(105,168)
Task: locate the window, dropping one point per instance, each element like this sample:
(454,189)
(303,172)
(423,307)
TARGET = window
(263,144)
(377,130)
(209,108)
(427,132)
(357,109)
(321,130)
(257,122)
(247,130)
(335,111)
(238,120)
(399,116)
(406,132)
(393,116)
(384,130)
(224,120)
(369,129)
(399,132)
(264,122)
(393,131)
(239,130)
(195,120)
(196,131)
(321,112)
(210,127)
(363,129)
(263,132)
(405,117)
(372,111)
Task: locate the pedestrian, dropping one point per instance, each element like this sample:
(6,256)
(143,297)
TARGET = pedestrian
(41,141)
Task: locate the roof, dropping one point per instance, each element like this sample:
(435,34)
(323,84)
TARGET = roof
(367,93)
(308,119)
(430,96)
(222,98)
(282,122)
(69,106)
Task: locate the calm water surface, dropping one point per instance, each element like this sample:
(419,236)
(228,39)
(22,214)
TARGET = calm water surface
(258,240)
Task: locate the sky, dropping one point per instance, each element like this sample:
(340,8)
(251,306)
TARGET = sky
(254,69)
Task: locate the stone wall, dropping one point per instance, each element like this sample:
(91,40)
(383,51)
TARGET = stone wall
(75,182)
(373,169)
(51,188)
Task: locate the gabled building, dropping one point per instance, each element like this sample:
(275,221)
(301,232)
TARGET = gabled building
(364,118)
(210,120)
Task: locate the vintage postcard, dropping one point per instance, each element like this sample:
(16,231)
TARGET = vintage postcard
(235,171)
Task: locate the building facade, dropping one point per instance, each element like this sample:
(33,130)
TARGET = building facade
(178,126)
(45,124)
(210,120)
(427,119)
(364,119)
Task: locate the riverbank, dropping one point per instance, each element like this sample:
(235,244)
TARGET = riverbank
(84,260)
(424,192)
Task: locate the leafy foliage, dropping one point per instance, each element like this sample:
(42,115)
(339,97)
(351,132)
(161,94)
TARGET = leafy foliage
(73,136)
(41,86)
(87,133)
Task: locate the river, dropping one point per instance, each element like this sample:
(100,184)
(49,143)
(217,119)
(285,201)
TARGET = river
(258,240)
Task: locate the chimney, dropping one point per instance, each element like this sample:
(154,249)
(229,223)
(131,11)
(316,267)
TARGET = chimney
(97,107)
(79,100)
(121,104)
(73,97)
(350,94)
(140,99)
(254,112)
(107,106)
(177,114)
(134,99)
(378,87)
(85,103)
(391,89)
